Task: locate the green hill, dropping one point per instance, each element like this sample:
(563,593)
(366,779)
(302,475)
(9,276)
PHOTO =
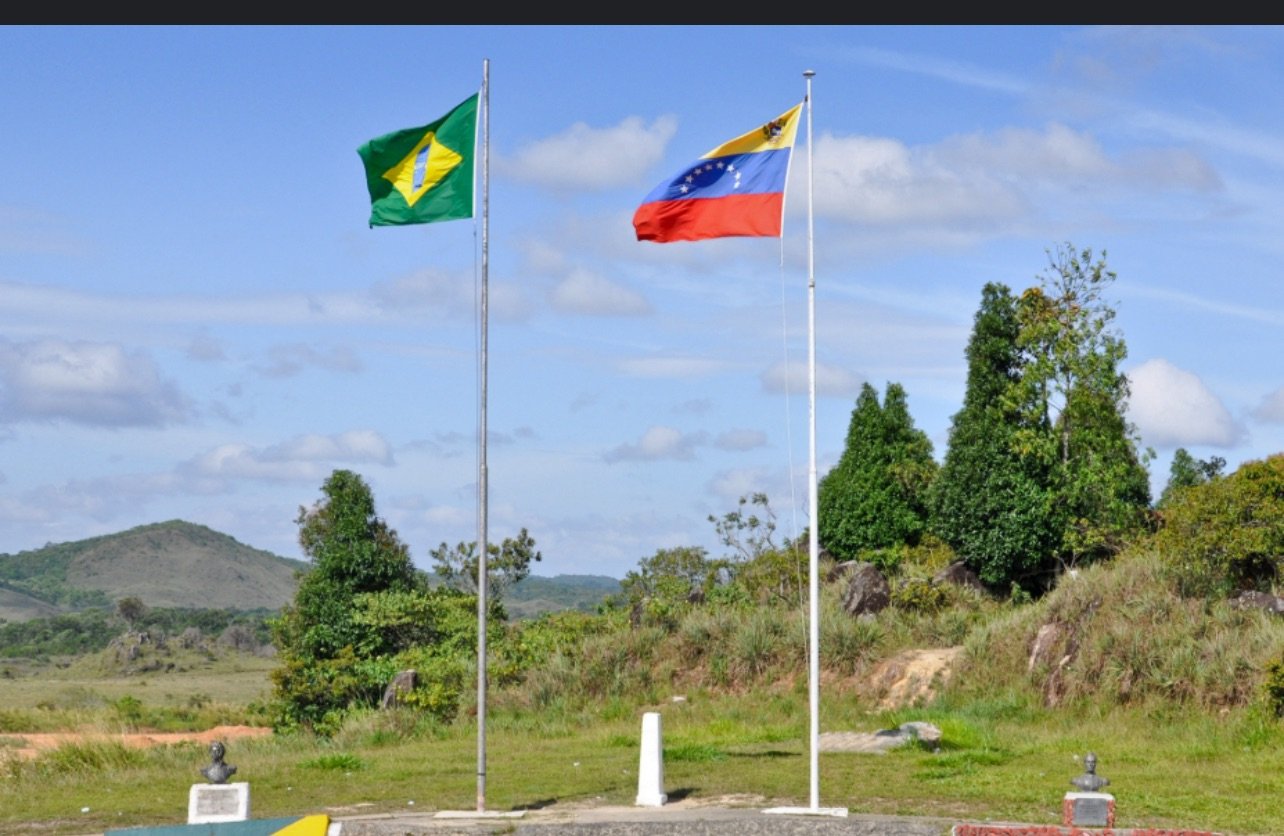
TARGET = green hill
(169,564)
(536,594)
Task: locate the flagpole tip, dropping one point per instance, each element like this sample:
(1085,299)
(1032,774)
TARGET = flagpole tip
(808,73)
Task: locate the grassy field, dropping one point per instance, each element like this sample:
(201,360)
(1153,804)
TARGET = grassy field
(62,695)
(1000,759)
(1165,690)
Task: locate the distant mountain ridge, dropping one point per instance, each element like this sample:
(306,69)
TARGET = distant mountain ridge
(167,564)
(537,594)
(177,564)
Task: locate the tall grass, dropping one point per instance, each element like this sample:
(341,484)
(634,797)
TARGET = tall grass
(1122,634)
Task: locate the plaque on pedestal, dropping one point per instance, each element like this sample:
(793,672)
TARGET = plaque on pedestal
(1088,809)
(213,803)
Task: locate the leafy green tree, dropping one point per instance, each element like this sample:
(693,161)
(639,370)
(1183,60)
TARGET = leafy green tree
(669,580)
(761,569)
(353,552)
(1186,472)
(507,564)
(746,532)
(990,503)
(130,609)
(1227,534)
(876,496)
(1074,398)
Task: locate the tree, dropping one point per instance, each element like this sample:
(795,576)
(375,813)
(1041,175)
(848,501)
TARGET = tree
(670,574)
(876,496)
(354,553)
(990,503)
(1227,534)
(1186,472)
(1074,398)
(130,608)
(668,581)
(764,570)
(747,533)
(506,564)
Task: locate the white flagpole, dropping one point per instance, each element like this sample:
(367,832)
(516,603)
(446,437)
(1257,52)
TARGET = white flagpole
(813,562)
(482,487)
(813,582)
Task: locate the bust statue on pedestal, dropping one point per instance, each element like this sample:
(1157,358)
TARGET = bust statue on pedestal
(218,772)
(1090,781)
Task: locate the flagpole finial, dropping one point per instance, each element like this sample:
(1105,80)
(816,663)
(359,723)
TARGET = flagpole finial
(808,73)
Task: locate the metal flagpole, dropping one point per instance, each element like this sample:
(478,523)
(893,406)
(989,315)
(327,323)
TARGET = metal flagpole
(813,582)
(482,487)
(813,562)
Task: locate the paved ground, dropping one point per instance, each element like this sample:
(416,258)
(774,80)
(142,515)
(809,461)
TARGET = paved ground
(675,818)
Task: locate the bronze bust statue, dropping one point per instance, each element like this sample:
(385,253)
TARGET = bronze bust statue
(218,772)
(1090,781)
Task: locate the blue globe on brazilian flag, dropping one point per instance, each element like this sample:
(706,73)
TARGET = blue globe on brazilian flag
(422,175)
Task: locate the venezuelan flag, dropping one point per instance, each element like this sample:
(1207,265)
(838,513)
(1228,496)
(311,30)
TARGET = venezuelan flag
(737,189)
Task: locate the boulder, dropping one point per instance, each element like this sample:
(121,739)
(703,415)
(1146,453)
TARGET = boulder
(1252,599)
(867,590)
(402,683)
(958,574)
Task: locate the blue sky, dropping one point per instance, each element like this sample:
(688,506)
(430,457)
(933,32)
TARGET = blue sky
(198,323)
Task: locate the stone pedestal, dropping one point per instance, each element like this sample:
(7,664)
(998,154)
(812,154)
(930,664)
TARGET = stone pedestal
(1088,809)
(213,803)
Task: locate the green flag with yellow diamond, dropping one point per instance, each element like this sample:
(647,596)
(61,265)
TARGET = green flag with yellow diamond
(422,175)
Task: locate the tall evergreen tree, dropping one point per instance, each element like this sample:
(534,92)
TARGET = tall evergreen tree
(990,503)
(876,496)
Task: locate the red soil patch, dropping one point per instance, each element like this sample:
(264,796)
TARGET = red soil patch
(36,742)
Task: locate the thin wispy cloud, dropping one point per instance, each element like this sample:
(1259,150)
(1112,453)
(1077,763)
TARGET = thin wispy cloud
(585,292)
(584,157)
(95,384)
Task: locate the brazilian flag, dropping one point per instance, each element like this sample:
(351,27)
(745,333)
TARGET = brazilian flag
(318,825)
(422,175)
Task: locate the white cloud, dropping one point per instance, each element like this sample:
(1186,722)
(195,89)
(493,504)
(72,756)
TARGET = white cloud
(983,180)
(670,367)
(290,360)
(98,384)
(1172,407)
(740,440)
(1271,409)
(793,378)
(302,458)
(658,443)
(426,290)
(205,349)
(444,295)
(241,461)
(350,446)
(585,292)
(882,181)
(39,304)
(583,157)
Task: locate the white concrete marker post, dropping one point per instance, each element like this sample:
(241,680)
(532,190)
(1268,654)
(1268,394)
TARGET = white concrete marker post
(651,766)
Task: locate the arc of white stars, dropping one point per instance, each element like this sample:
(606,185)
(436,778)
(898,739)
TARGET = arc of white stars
(685,185)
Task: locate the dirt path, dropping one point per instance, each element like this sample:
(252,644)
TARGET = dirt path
(31,744)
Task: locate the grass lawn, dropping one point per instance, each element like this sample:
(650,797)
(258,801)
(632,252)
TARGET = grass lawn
(999,761)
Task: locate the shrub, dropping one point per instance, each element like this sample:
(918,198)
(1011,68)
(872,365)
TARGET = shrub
(1227,534)
(1273,686)
(918,595)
